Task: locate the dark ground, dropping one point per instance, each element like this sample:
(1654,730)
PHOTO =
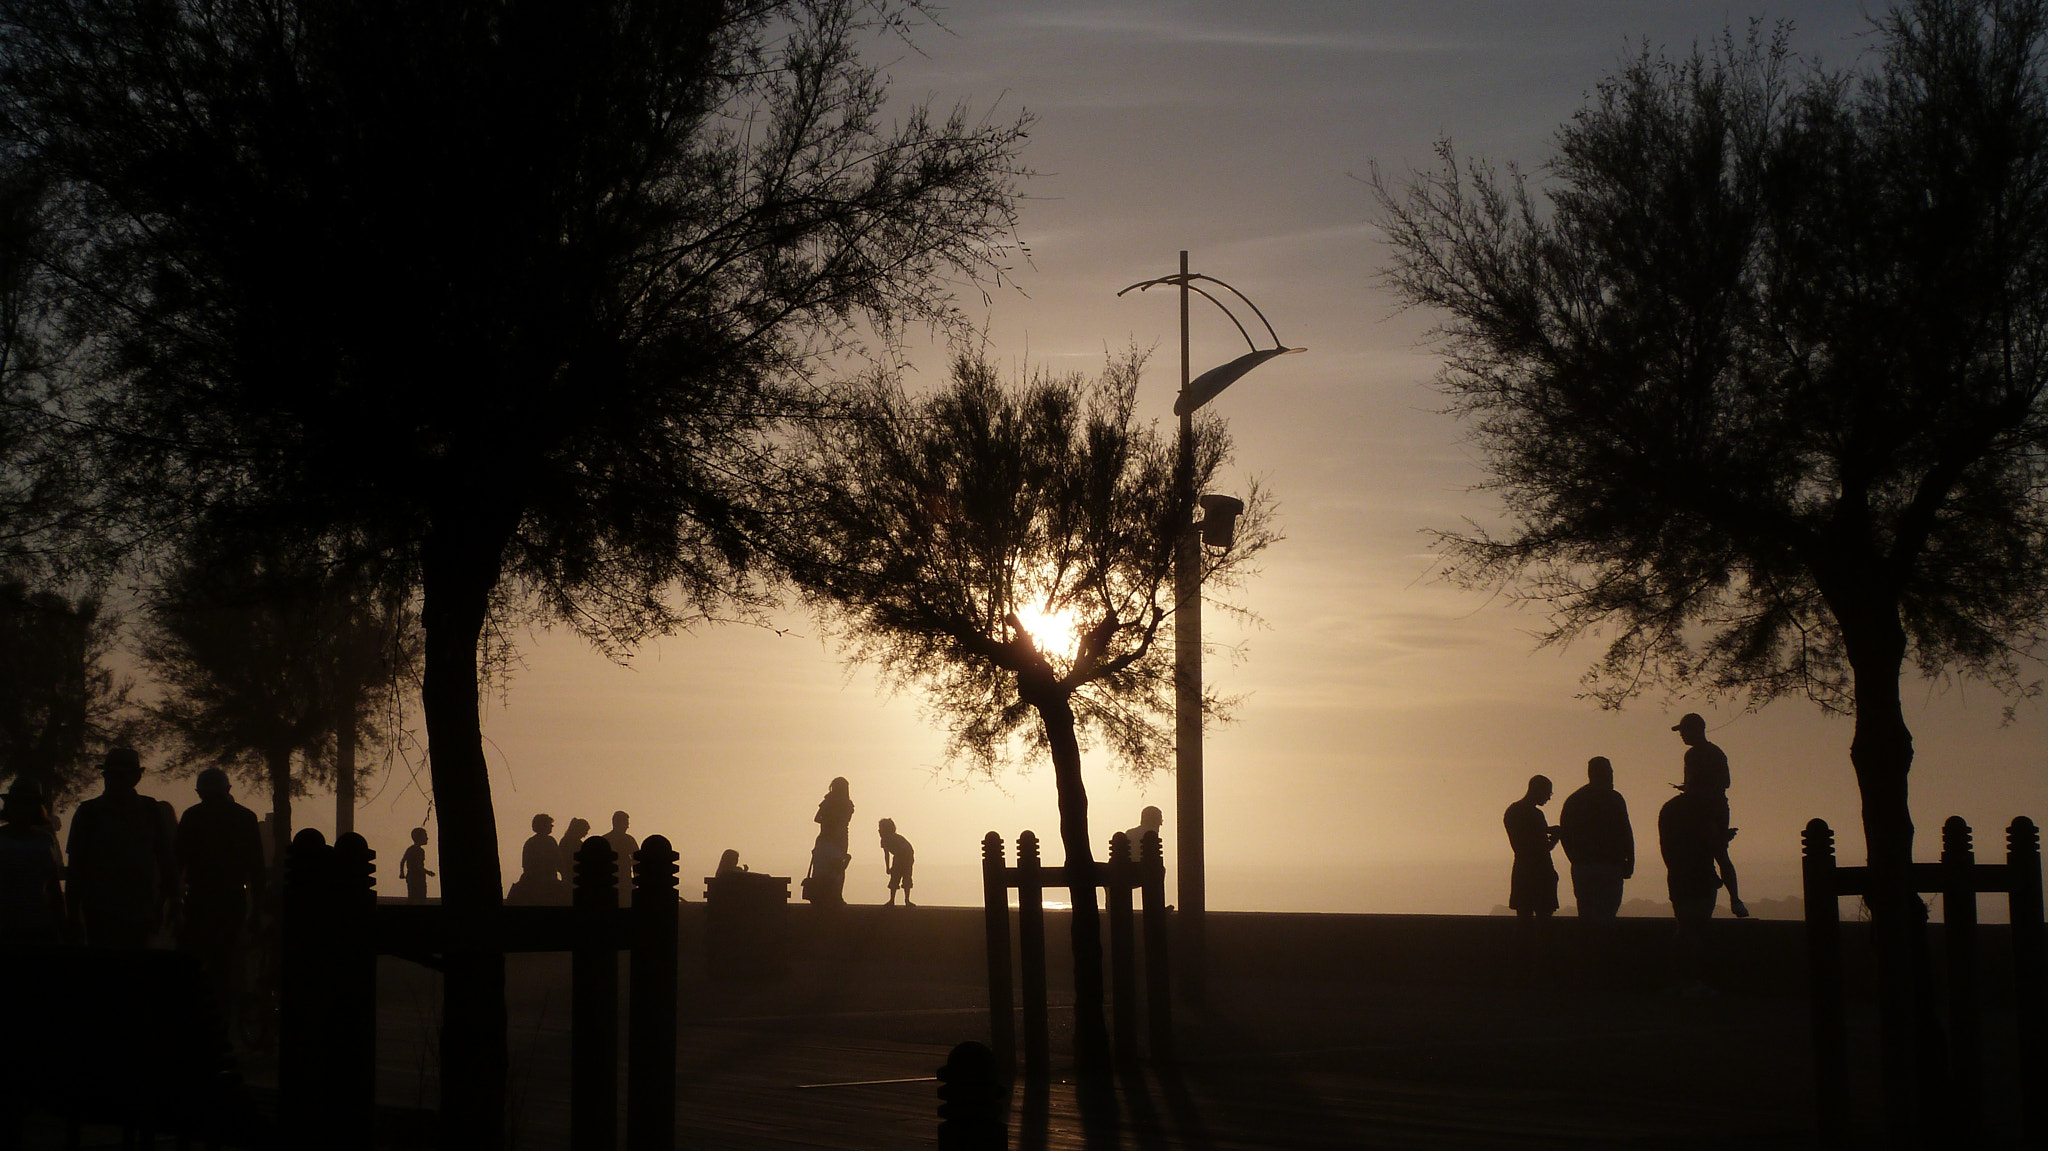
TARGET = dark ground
(1320,1032)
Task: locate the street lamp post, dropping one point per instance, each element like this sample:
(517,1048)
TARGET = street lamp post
(1214,528)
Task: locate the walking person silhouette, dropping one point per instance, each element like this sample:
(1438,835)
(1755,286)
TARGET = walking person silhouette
(220,858)
(412,867)
(121,861)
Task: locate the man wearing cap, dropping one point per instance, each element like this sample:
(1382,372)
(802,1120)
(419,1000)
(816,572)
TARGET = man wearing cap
(1707,781)
(121,864)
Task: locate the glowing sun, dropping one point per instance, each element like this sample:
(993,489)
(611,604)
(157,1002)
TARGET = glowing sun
(1055,633)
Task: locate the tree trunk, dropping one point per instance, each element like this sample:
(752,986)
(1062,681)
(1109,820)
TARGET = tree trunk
(1091,1030)
(1882,752)
(459,570)
(278,763)
(345,766)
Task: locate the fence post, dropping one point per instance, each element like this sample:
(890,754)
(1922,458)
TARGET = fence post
(594,1001)
(651,1033)
(995,901)
(1122,946)
(304,1076)
(1965,1020)
(1824,987)
(1031,944)
(2029,971)
(352,996)
(1158,968)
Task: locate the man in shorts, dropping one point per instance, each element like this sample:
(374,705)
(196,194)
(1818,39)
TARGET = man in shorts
(1706,777)
(899,860)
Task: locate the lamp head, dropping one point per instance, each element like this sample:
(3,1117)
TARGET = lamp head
(1219,519)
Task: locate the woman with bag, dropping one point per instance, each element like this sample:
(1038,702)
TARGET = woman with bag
(830,855)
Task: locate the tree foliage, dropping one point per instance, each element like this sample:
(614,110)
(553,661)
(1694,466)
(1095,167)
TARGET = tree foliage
(1760,373)
(267,660)
(504,302)
(948,521)
(61,703)
(1771,344)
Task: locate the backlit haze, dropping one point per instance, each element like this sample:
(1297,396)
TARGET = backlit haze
(1387,718)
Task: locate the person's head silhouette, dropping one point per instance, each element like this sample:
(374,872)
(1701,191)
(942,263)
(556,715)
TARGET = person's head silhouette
(577,829)
(1692,728)
(887,826)
(1599,771)
(619,821)
(1539,790)
(1152,817)
(122,769)
(212,786)
(543,823)
(24,802)
(419,836)
(840,787)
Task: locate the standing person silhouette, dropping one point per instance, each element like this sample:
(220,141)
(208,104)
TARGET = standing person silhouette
(898,859)
(1532,890)
(623,846)
(31,869)
(1706,776)
(1594,829)
(121,861)
(831,854)
(412,867)
(220,858)
(1688,834)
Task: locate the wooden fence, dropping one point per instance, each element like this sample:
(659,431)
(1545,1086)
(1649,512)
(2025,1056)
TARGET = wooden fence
(1959,878)
(1119,877)
(334,930)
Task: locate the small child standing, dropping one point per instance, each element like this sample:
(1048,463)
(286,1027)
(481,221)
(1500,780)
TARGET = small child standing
(412,867)
(898,857)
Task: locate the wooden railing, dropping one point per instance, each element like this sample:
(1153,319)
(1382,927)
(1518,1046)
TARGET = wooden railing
(1959,878)
(1119,878)
(334,930)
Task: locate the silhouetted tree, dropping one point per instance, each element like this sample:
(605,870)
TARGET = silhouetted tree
(949,538)
(1759,377)
(39,482)
(60,702)
(267,658)
(501,300)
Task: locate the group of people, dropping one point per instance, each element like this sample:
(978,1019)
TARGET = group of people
(547,867)
(832,853)
(137,870)
(1693,834)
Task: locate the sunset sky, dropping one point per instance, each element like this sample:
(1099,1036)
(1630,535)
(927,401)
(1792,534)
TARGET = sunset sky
(1387,718)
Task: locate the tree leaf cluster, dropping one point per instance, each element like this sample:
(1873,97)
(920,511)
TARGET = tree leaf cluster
(934,526)
(61,703)
(262,656)
(1757,365)
(546,268)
